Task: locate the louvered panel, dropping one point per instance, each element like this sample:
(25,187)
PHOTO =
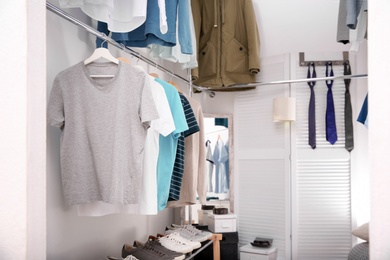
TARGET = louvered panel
(255,123)
(303,96)
(323,209)
(262,201)
(253,108)
(261,153)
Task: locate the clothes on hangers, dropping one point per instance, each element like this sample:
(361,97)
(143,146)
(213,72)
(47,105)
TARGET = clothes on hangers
(363,114)
(220,156)
(147,205)
(194,183)
(168,145)
(353,10)
(178,169)
(229,43)
(149,33)
(120,15)
(352,22)
(360,33)
(174,54)
(184,32)
(342,28)
(96,137)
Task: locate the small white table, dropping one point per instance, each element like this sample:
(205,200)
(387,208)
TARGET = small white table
(249,252)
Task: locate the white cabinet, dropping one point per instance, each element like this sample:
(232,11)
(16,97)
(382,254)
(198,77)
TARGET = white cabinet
(249,252)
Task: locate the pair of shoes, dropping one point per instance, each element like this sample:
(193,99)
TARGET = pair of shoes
(129,257)
(202,235)
(174,244)
(190,232)
(145,253)
(174,241)
(157,245)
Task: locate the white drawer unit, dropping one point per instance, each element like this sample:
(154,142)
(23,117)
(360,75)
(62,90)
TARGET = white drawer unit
(249,252)
(222,223)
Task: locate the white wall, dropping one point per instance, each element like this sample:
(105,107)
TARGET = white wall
(22,138)
(68,235)
(379,126)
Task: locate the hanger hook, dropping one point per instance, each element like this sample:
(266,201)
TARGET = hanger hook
(104,36)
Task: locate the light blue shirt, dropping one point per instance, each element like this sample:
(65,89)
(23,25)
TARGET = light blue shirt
(220,156)
(168,145)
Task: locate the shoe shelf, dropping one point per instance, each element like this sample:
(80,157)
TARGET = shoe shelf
(214,239)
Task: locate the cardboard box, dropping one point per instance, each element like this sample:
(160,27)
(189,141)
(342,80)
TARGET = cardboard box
(222,223)
(249,252)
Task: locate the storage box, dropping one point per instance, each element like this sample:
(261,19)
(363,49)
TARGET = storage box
(222,223)
(228,248)
(203,216)
(249,252)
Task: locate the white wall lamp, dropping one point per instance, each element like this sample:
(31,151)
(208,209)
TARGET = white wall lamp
(284,109)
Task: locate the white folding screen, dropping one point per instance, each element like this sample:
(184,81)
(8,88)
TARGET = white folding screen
(262,158)
(321,183)
(303,203)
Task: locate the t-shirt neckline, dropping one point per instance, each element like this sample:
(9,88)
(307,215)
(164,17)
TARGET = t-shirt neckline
(106,85)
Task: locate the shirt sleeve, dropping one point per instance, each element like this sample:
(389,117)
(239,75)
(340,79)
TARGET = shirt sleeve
(165,124)
(253,38)
(55,107)
(183,25)
(148,111)
(192,123)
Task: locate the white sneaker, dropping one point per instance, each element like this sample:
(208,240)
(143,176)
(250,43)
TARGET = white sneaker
(177,236)
(201,234)
(190,234)
(171,243)
(130,257)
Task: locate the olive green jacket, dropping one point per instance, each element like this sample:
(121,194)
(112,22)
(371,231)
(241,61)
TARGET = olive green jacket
(228,43)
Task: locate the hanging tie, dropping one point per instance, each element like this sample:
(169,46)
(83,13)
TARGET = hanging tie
(331,131)
(312,107)
(348,110)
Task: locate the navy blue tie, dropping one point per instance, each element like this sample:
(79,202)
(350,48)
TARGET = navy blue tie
(312,107)
(331,131)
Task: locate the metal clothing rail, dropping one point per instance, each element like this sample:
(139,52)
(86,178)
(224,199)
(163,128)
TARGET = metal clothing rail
(126,49)
(298,80)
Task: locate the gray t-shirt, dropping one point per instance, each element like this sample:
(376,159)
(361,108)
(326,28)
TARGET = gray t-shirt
(103,123)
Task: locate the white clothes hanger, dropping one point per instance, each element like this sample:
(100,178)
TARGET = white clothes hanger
(101,53)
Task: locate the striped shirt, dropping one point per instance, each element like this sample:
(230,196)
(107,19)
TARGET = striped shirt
(178,168)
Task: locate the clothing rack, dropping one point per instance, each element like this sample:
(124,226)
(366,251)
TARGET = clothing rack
(210,92)
(126,49)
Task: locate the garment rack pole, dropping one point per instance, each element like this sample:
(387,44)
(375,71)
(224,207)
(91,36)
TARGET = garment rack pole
(126,49)
(299,80)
